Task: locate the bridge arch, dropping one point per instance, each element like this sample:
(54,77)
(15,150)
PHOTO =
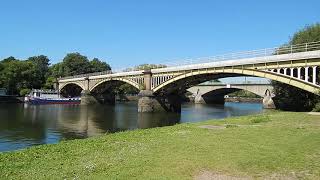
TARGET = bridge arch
(123,80)
(64,85)
(240,72)
(261,92)
(72,89)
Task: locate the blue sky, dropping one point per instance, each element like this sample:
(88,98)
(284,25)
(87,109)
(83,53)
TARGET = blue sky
(127,33)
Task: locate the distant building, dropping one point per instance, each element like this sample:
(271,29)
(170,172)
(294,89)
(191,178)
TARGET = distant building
(3,91)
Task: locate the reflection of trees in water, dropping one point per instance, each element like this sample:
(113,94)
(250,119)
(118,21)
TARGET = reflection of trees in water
(18,122)
(86,121)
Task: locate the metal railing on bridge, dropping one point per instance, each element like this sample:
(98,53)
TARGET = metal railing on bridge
(286,49)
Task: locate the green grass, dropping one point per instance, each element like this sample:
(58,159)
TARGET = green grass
(277,144)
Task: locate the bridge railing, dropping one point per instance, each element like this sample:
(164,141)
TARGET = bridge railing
(286,49)
(236,82)
(86,75)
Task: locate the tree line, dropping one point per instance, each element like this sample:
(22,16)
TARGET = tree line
(20,76)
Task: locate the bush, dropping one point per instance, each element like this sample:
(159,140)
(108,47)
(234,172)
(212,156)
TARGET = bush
(291,98)
(316,108)
(24,92)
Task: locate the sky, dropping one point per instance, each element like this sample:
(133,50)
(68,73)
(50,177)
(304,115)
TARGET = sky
(125,33)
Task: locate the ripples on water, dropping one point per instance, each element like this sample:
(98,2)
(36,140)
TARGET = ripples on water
(23,125)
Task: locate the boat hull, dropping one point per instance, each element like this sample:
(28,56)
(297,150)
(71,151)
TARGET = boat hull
(54,101)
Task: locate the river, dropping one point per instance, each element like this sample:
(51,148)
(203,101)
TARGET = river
(23,125)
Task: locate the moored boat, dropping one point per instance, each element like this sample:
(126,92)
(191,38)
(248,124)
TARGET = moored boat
(49,97)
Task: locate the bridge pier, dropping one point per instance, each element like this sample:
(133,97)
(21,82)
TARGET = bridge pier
(202,99)
(149,103)
(88,98)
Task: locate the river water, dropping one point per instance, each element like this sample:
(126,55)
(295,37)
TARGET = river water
(23,125)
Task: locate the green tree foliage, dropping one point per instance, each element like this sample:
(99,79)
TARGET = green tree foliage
(243,93)
(310,33)
(146,67)
(98,66)
(291,98)
(41,66)
(19,76)
(75,63)
(57,70)
(16,75)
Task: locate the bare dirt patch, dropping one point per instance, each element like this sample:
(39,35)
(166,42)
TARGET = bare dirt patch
(314,113)
(208,175)
(211,127)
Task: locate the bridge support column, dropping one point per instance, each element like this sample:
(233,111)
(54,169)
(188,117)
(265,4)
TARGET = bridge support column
(200,99)
(149,103)
(87,98)
(147,79)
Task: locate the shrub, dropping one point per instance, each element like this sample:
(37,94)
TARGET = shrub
(24,92)
(316,108)
(260,119)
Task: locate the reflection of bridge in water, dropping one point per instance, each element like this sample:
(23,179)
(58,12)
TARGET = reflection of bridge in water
(160,89)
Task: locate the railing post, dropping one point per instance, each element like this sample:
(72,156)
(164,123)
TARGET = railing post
(299,72)
(314,75)
(306,47)
(306,74)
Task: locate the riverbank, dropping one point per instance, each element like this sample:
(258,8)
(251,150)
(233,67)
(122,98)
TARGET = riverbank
(243,99)
(11,99)
(275,144)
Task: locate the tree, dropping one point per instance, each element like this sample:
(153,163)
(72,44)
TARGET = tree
(57,70)
(75,64)
(291,98)
(41,68)
(98,66)
(17,75)
(310,33)
(9,59)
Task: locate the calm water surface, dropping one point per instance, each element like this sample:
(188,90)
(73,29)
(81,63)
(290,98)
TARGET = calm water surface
(23,125)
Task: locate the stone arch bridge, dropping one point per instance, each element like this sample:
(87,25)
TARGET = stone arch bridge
(160,89)
(214,93)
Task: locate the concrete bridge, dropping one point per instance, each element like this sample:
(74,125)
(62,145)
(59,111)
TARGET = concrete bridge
(160,89)
(214,93)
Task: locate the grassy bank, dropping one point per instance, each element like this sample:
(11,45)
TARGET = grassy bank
(275,144)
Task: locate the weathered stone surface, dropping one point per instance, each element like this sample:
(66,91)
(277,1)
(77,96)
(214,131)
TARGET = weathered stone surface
(149,103)
(87,98)
(146,93)
(203,99)
(268,103)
